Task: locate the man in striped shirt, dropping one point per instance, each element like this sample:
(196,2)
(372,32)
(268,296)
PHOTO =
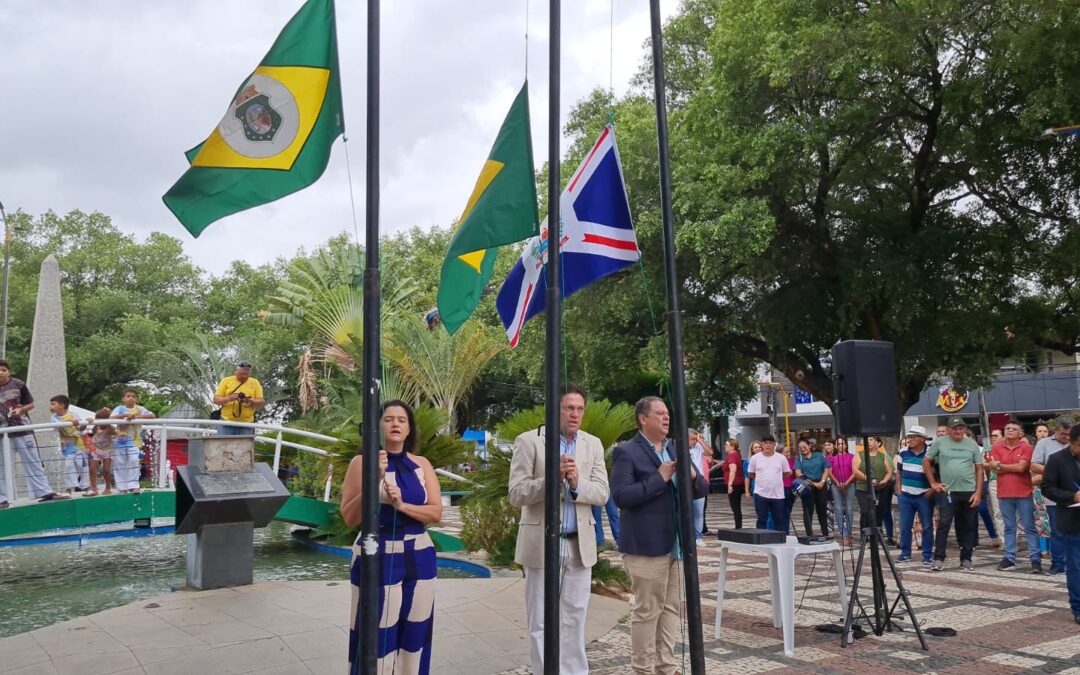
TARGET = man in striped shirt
(915,496)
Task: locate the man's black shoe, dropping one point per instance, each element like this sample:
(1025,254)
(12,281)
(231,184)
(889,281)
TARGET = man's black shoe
(1036,567)
(1006,564)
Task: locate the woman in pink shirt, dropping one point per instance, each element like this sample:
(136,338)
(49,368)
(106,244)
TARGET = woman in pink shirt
(789,480)
(843,491)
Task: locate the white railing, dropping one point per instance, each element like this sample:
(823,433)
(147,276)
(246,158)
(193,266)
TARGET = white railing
(162,475)
(163,426)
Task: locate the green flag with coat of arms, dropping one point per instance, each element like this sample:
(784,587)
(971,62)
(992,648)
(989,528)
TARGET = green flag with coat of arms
(276,135)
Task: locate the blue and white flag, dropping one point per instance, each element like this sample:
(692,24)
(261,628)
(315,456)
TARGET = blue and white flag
(597,238)
(1073,130)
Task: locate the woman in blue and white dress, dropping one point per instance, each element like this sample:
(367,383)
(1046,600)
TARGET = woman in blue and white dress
(410,498)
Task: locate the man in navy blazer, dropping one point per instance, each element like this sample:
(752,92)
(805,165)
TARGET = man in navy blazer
(644,488)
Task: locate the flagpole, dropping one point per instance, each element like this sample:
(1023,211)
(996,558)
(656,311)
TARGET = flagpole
(553,315)
(687,535)
(369,532)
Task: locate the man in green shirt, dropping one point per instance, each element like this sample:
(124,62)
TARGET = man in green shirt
(958,483)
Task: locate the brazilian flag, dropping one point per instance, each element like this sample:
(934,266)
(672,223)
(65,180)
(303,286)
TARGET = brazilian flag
(275,138)
(501,210)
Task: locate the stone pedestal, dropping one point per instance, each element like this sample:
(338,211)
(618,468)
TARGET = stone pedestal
(219,556)
(221,496)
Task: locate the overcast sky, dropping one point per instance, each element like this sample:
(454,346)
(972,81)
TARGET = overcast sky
(100,98)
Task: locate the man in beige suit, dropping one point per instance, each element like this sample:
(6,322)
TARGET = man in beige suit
(584,484)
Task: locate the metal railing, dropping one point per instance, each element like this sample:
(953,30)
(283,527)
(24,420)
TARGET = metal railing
(160,471)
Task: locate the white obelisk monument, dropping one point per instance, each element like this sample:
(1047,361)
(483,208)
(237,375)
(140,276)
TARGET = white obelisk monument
(46,375)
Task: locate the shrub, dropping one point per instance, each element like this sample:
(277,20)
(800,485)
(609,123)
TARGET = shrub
(490,526)
(604,572)
(311,480)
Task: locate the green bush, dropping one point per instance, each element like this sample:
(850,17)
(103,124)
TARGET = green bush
(336,532)
(451,485)
(311,481)
(604,572)
(490,526)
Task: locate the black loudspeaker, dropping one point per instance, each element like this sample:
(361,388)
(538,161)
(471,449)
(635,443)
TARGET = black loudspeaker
(864,388)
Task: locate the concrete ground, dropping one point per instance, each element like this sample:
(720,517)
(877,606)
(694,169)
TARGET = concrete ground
(1006,622)
(280,628)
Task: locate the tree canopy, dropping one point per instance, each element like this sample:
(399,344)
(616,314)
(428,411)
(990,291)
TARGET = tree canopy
(841,170)
(126,300)
(862,170)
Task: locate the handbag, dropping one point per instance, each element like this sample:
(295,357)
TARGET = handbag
(215,414)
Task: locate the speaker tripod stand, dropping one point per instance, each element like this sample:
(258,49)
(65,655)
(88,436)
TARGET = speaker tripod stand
(871,538)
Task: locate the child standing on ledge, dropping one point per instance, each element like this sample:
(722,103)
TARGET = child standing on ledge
(71,445)
(128,442)
(103,450)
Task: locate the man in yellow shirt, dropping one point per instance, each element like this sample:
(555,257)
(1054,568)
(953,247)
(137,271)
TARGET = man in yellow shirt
(239,396)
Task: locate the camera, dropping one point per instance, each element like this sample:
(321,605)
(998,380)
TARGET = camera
(241,395)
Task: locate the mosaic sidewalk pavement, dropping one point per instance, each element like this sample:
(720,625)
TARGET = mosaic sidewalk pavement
(1007,622)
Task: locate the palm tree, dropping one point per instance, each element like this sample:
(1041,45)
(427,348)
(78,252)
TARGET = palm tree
(325,292)
(190,370)
(442,367)
(607,422)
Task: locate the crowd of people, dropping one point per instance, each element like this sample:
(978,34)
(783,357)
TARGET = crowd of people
(110,451)
(939,481)
(91,449)
(933,477)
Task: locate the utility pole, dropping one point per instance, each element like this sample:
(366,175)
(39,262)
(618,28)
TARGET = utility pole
(4,291)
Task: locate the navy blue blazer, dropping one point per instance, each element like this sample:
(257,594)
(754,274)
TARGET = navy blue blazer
(646,502)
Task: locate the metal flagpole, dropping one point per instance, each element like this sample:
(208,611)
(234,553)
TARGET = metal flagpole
(687,535)
(552,481)
(984,420)
(369,526)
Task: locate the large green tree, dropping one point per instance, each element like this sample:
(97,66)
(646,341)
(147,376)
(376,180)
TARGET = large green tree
(856,170)
(122,298)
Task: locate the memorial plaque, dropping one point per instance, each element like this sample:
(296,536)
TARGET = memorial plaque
(228,454)
(215,484)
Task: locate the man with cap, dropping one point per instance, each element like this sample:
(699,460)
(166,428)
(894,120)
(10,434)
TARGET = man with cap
(913,486)
(958,490)
(1044,449)
(1010,459)
(239,396)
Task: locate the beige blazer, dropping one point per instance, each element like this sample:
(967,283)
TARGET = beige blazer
(527,493)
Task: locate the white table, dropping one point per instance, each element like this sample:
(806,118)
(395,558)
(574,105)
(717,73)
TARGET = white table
(782,579)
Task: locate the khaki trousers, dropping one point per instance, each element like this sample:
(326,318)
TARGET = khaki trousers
(654,618)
